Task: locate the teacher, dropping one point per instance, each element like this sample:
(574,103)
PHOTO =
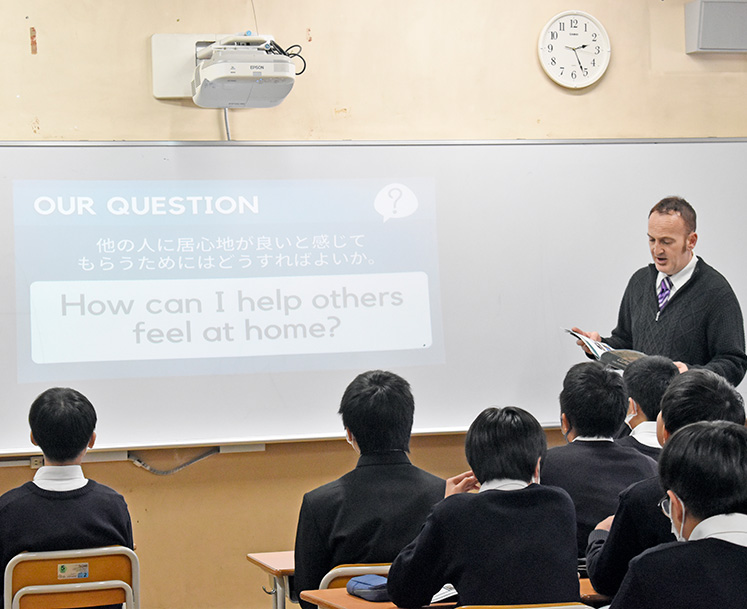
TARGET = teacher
(679,306)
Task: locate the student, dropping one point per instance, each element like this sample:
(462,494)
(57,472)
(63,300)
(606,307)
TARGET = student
(704,469)
(638,524)
(592,467)
(513,542)
(61,509)
(372,512)
(646,380)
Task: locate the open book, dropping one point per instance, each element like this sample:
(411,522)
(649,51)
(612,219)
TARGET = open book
(616,358)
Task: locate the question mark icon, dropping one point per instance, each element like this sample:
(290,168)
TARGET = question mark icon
(395,194)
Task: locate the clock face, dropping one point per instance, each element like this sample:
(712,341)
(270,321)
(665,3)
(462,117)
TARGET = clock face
(574,49)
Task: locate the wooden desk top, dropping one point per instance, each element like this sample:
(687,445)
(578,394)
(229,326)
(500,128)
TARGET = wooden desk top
(277,564)
(338,598)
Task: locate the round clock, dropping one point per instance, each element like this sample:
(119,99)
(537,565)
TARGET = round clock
(574,49)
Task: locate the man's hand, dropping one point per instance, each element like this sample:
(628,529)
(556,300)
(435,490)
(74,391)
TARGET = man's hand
(463,483)
(606,524)
(682,367)
(592,335)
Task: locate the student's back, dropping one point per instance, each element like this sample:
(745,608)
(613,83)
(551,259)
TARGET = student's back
(61,509)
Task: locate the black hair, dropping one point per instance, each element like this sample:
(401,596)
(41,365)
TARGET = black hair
(700,394)
(647,379)
(378,409)
(62,421)
(504,443)
(705,465)
(593,399)
(677,205)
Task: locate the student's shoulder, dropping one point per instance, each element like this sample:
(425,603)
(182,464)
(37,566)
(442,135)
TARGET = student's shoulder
(101,490)
(16,494)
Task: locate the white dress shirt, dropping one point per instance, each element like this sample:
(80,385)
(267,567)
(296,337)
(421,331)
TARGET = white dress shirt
(503,484)
(60,477)
(645,433)
(726,527)
(678,279)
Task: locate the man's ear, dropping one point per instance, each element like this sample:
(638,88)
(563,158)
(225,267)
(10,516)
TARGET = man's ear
(692,239)
(34,442)
(661,432)
(92,441)
(537,470)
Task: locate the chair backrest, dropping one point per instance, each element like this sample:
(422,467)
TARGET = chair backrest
(73,578)
(339,576)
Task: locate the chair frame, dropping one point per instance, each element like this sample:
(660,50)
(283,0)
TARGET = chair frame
(106,587)
(349,571)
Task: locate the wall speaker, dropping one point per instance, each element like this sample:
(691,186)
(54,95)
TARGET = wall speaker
(716,26)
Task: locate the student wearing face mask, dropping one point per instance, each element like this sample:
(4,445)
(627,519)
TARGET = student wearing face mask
(638,524)
(646,380)
(704,469)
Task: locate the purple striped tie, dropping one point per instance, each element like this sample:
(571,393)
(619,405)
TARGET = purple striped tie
(664,292)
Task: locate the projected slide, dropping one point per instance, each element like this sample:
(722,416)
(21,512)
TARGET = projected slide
(129,278)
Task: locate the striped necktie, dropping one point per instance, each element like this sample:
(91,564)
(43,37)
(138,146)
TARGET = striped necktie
(664,292)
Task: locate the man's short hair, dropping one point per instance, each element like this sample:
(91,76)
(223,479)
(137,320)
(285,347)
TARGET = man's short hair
(700,395)
(705,465)
(677,205)
(593,399)
(504,443)
(62,421)
(378,409)
(646,380)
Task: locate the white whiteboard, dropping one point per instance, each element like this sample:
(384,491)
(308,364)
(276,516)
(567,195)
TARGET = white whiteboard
(205,294)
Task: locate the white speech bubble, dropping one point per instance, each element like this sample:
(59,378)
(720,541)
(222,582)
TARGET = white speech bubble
(395,201)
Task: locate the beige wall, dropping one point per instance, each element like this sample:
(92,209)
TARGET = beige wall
(390,69)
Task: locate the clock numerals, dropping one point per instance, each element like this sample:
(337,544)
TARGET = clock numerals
(574,49)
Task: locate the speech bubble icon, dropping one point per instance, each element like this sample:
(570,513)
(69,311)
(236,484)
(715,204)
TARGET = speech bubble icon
(395,201)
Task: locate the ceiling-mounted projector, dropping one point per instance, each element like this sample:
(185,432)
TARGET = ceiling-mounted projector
(242,72)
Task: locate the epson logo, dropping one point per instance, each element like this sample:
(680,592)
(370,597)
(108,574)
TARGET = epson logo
(256,67)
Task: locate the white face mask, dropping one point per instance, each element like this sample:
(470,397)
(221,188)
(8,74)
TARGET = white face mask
(630,415)
(629,418)
(678,534)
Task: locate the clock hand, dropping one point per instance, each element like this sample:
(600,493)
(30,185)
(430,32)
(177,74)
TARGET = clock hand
(577,59)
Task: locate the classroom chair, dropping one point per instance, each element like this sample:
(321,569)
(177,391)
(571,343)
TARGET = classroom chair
(339,576)
(78,578)
(545,605)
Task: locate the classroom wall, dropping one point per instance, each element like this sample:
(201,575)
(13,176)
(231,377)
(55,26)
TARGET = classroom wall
(383,70)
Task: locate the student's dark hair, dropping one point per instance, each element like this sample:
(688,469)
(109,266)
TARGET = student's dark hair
(62,421)
(705,465)
(647,379)
(378,409)
(700,395)
(504,443)
(677,205)
(593,399)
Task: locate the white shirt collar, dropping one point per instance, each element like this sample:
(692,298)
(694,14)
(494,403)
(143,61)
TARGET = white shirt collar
(503,484)
(680,278)
(60,477)
(645,433)
(593,439)
(726,527)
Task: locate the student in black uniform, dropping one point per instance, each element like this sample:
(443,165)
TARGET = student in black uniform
(704,469)
(513,542)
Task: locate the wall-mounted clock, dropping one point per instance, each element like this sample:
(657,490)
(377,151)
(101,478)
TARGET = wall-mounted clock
(574,49)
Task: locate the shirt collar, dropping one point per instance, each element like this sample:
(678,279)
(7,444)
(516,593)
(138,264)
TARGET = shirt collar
(593,439)
(680,278)
(60,477)
(645,433)
(383,458)
(726,527)
(503,484)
